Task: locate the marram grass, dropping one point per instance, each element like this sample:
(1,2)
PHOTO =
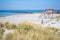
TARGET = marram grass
(30,31)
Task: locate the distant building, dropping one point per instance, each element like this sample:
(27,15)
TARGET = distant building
(49,13)
(49,9)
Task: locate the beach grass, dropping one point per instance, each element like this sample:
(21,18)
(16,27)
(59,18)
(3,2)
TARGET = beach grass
(30,31)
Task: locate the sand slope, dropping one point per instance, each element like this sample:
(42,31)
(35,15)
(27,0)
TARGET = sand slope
(35,18)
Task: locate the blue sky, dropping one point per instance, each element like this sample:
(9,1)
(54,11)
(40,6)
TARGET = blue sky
(29,4)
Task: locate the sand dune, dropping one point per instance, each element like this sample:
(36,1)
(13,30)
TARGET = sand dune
(35,18)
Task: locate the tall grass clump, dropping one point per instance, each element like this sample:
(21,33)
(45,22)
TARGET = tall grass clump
(1,30)
(9,25)
(31,31)
(58,18)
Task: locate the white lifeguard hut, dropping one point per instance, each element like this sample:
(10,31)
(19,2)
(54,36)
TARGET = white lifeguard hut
(49,13)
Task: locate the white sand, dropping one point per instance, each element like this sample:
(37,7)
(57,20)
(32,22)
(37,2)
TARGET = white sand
(35,18)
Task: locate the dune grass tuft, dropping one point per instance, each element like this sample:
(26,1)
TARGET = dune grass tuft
(31,31)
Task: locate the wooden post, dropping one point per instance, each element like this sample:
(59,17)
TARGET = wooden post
(41,21)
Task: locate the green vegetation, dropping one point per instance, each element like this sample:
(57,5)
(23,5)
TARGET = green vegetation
(31,31)
(9,26)
(1,32)
(57,18)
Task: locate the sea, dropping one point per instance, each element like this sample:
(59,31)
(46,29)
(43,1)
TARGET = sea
(15,12)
